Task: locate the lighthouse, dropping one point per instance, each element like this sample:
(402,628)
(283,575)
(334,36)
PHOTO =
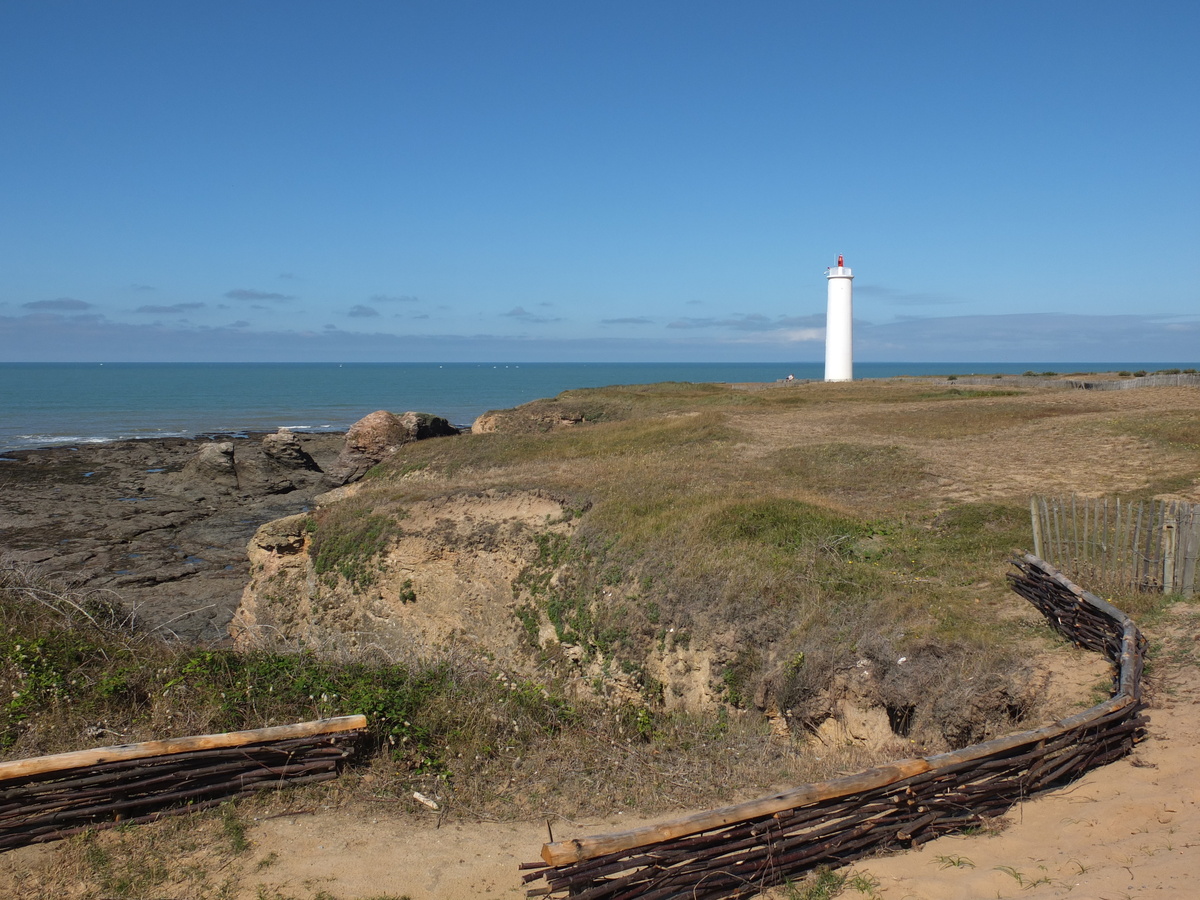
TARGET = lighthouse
(839,324)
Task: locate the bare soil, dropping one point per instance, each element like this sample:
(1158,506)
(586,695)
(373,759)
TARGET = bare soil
(1129,829)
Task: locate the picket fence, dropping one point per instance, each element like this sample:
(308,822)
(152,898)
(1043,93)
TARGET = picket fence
(1115,546)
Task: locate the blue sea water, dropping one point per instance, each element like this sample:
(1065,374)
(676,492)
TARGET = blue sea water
(55,404)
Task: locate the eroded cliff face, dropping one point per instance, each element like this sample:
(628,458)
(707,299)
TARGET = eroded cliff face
(488,576)
(444,582)
(453,579)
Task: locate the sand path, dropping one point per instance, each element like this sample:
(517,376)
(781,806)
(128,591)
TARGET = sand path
(1131,829)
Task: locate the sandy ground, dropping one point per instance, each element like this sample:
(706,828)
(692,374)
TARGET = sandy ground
(1131,829)
(351,856)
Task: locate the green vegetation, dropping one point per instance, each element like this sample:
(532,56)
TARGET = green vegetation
(816,551)
(348,540)
(63,668)
(481,739)
(1179,431)
(769,540)
(823,884)
(956,861)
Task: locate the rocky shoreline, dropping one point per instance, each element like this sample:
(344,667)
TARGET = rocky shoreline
(163,523)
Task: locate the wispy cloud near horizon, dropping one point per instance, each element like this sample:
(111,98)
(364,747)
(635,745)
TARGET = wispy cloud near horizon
(63,335)
(172,308)
(251,294)
(519,312)
(752,322)
(62,304)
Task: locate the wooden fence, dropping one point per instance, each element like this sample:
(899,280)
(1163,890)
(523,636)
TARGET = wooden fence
(1082,383)
(1145,545)
(51,797)
(739,850)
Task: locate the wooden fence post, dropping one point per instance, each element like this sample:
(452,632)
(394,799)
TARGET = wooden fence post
(1170,548)
(1035,513)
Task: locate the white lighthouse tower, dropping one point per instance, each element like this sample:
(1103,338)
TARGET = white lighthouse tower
(839,324)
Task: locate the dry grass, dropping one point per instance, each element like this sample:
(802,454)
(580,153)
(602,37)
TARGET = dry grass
(788,518)
(786,534)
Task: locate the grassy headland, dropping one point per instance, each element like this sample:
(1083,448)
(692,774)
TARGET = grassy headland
(779,540)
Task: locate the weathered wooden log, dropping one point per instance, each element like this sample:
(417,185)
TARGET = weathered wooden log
(41,765)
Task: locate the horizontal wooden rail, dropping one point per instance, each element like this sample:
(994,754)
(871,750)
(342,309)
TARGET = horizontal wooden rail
(76,759)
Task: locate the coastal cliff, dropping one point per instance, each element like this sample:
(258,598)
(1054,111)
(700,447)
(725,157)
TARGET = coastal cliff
(442,577)
(644,547)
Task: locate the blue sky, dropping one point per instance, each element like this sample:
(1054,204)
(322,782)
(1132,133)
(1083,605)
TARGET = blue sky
(616,181)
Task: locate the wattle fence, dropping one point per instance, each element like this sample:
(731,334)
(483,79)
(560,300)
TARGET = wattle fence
(50,797)
(1082,383)
(735,851)
(738,851)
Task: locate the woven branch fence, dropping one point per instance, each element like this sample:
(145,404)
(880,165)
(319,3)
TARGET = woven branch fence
(50,797)
(1144,545)
(738,851)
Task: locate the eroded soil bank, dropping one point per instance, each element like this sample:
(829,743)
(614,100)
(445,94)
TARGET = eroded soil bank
(1126,832)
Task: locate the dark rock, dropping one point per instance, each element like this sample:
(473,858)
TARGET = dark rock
(213,463)
(425,425)
(162,523)
(259,473)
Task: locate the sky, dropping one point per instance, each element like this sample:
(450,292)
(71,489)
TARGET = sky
(450,181)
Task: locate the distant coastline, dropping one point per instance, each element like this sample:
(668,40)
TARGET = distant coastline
(60,404)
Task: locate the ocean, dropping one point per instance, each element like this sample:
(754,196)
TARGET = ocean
(56,404)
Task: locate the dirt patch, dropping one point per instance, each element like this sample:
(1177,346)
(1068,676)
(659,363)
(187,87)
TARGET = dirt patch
(1125,830)
(995,449)
(445,581)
